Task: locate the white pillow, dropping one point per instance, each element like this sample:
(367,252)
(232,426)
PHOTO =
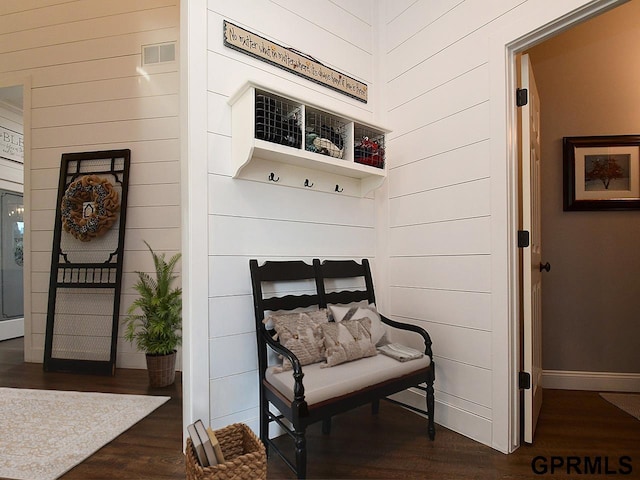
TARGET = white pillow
(348,312)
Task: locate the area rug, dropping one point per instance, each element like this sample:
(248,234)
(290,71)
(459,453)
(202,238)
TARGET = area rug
(45,433)
(629,402)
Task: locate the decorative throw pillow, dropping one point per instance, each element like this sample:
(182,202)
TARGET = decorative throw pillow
(299,333)
(378,331)
(347,340)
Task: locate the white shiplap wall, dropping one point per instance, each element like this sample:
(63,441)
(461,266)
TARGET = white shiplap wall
(436,98)
(451,200)
(266,221)
(89,92)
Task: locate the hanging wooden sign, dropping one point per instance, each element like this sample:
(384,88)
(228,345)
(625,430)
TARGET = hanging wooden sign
(288,59)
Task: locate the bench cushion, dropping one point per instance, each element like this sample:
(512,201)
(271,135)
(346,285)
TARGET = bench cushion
(321,384)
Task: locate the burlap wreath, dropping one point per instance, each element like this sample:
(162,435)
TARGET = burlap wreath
(102,211)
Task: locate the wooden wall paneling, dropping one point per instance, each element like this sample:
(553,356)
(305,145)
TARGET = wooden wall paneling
(469,53)
(357,8)
(238,307)
(464,128)
(99,69)
(414,17)
(41,241)
(462,200)
(86,50)
(236,393)
(458,237)
(155,173)
(161,151)
(91,28)
(156,106)
(155,195)
(454,272)
(223,349)
(465,345)
(219,160)
(153,217)
(331,17)
(33,14)
(451,307)
(465,381)
(106,90)
(116,132)
(464,91)
(241,236)
(446,30)
(43,199)
(462,164)
(241,198)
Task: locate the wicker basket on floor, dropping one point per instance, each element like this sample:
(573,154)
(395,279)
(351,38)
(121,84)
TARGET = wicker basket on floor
(244,454)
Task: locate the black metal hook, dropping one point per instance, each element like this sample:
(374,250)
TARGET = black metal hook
(272,177)
(307,184)
(338,189)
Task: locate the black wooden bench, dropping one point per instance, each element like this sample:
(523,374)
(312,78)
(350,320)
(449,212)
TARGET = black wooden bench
(310,393)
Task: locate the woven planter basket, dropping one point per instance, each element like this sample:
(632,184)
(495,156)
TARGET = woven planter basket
(244,454)
(162,369)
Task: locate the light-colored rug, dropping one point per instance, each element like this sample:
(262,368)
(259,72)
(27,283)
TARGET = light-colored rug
(44,433)
(629,402)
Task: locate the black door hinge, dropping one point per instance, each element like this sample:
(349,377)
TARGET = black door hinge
(524,380)
(522,97)
(523,238)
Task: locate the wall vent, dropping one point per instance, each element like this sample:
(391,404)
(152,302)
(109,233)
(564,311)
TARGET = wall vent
(158,53)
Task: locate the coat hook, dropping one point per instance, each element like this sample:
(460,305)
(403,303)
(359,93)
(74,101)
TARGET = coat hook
(272,177)
(307,184)
(338,189)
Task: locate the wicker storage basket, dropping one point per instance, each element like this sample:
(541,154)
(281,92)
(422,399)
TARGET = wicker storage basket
(244,455)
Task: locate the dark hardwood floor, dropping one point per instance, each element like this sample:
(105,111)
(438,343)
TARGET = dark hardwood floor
(390,445)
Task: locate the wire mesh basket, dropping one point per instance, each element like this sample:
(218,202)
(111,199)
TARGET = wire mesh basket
(368,148)
(277,120)
(325,133)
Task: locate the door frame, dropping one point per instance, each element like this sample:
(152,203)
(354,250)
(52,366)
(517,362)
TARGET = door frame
(535,24)
(10,80)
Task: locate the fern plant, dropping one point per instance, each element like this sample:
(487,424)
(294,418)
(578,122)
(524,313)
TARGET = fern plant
(154,319)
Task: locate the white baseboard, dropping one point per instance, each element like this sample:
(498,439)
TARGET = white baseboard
(592,381)
(450,416)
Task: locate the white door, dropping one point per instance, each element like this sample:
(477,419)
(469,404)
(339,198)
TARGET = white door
(532,261)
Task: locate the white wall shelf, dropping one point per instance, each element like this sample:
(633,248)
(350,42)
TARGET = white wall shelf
(281,151)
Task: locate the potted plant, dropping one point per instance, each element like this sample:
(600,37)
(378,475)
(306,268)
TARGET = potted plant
(154,319)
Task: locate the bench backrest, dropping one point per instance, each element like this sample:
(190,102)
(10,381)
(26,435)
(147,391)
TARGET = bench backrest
(320,273)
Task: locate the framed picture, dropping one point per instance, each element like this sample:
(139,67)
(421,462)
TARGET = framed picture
(602,173)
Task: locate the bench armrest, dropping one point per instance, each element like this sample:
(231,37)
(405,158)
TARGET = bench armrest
(298,389)
(412,328)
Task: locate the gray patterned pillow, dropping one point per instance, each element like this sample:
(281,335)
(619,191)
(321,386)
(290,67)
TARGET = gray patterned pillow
(347,340)
(300,333)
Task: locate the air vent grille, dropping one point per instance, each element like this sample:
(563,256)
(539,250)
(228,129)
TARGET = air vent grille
(158,53)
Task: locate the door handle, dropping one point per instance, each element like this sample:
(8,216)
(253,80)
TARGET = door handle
(545,266)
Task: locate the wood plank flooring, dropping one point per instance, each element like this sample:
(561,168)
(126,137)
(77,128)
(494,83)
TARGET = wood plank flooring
(390,445)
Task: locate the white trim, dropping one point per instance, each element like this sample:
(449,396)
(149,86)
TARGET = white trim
(461,421)
(25,81)
(535,22)
(193,152)
(12,328)
(592,381)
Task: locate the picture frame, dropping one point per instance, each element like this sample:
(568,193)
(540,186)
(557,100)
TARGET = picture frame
(601,172)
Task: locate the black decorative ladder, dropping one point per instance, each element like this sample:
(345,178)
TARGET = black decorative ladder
(86,276)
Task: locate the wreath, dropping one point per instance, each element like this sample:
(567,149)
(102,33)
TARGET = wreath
(89,207)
